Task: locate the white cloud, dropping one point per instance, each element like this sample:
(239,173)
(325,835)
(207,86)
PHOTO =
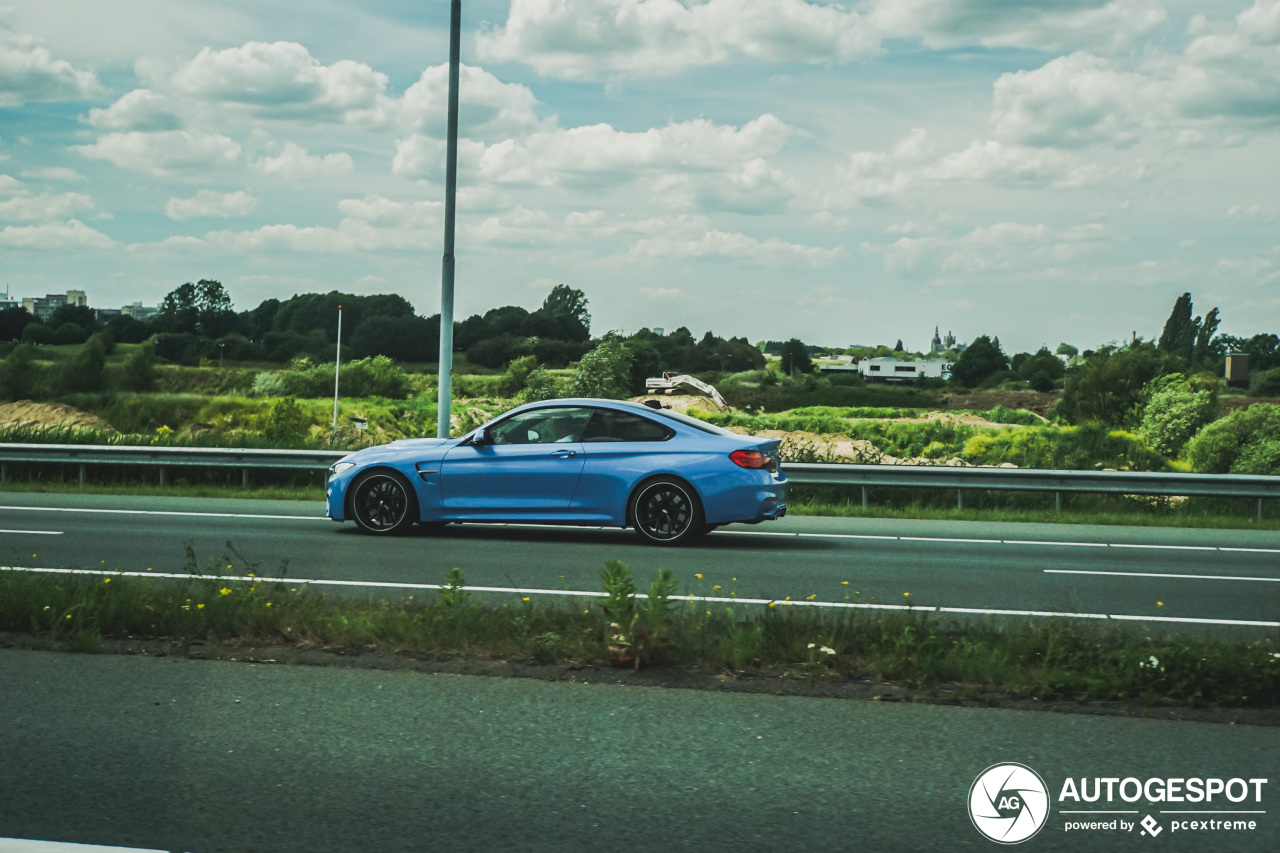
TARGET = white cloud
(276,80)
(294,163)
(141,109)
(581,39)
(991,162)
(43,207)
(1261,212)
(1051,26)
(1000,248)
(1071,102)
(211,203)
(28,71)
(53,173)
(519,226)
(371,224)
(72,234)
(663,293)
(1225,82)
(168,152)
(490,109)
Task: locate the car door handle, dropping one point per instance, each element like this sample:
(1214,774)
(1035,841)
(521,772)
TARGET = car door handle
(564,454)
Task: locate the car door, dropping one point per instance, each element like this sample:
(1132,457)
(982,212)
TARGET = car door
(530,466)
(621,448)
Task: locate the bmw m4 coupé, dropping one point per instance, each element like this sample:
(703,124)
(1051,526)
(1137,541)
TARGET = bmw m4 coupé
(667,475)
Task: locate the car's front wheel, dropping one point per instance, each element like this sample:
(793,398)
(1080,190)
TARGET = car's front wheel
(666,512)
(383,503)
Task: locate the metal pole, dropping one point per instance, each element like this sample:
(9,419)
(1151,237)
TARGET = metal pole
(445,381)
(337,365)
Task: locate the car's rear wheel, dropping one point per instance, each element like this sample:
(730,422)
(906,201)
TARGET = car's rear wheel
(383,503)
(666,512)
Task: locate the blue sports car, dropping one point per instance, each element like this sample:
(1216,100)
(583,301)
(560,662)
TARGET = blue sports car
(669,476)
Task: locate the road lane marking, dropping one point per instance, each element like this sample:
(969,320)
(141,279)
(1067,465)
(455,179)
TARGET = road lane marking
(950,540)
(1158,575)
(705,599)
(166,512)
(35,532)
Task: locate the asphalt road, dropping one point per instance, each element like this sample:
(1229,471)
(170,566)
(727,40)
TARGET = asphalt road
(1157,578)
(207,756)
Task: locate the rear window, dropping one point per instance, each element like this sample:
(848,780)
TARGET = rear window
(611,425)
(691,421)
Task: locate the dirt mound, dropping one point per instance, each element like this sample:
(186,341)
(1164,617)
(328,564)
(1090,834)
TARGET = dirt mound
(683,402)
(1034,401)
(25,413)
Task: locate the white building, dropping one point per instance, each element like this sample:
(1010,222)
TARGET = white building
(890,369)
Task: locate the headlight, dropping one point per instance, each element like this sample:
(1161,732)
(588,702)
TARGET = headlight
(338,467)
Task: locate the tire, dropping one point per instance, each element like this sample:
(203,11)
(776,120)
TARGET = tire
(383,504)
(666,511)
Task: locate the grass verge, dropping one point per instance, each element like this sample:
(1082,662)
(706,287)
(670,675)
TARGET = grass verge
(1054,660)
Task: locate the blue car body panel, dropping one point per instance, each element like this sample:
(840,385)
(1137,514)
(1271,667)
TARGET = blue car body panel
(568,481)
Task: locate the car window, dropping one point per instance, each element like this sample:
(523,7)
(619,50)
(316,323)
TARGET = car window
(541,426)
(611,425)
(688,420)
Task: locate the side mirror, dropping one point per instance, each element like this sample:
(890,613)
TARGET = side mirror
(480,438)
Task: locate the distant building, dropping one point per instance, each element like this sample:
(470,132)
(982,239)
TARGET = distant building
(941,344)
(835,364)
(42,308)
(138,311)
(892,370)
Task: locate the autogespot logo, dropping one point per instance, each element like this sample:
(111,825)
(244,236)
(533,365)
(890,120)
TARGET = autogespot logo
(1008,803)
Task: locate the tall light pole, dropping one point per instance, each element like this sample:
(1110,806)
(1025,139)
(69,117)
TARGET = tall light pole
(337,367)
(450,194)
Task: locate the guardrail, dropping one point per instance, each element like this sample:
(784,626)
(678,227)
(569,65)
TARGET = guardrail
(866,476)
(246,459)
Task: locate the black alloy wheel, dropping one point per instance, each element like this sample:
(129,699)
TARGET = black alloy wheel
(666,512)
(383,503)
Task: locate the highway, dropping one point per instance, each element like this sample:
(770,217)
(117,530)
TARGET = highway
(1158,578)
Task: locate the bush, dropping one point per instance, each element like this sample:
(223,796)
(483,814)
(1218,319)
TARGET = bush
(1240,443)
(285,421)
(19,373)
(1173,414)
(139,372)
(268,384)
(1265,384)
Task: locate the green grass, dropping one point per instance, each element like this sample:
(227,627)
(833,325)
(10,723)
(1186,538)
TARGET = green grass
(1056,660)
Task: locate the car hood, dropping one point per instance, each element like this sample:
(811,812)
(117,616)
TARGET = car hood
(401,446)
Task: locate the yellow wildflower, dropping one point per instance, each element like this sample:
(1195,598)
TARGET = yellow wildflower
(224,591)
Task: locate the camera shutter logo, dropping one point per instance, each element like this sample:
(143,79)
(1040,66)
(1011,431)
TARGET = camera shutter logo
(1008,803)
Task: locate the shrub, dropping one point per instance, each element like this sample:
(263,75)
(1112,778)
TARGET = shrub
(19,373)
(285,421)
(1173,414)
(268,384)
(139,372)
(1239,443)
(1266,383)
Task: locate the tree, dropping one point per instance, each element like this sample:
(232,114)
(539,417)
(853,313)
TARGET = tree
(139,373)
(979,360)
(203,308)
(603,372)
(1178,329)
(80,315)
(1067,350)
(19,373)
(84,372)
(795,358)
(1109,383)
(1172,413)
(567,303)
(1247,441)
(898,346)
(13,321)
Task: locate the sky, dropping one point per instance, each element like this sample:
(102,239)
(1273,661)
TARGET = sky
(1043,171)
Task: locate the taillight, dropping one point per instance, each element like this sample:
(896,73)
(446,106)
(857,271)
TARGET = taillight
(752,459)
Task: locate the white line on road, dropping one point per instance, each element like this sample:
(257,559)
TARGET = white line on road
(35,532)
(1158,575)
(166,512)
(571,593)
(797,534)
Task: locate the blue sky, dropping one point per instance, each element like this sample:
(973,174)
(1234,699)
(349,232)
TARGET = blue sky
(855,173)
